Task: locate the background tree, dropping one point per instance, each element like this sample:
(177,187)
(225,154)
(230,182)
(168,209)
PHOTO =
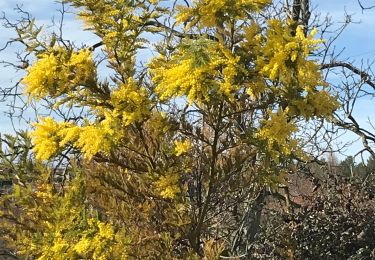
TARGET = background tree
(337,223)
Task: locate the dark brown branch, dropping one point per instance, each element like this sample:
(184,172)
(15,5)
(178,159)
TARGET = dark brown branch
(355,128)
(96,45)
(364,75)
(364,7)
(296,10)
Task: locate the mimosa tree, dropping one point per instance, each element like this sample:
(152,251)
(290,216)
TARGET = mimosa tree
(169,157)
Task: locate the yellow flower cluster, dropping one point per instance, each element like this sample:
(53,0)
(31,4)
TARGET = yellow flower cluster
(130,102)
(211,71)
(93,139)
(316,103)
(277,132)
(58,247)
(42,75)
(117,23)
(104,14)
(323,102)
(45,138)
(281,50)
(158,123)
(168,186)
(282,59)
(66,228)
(211,12)
(97,243)
(49,137)
(182,147)
(81,66)
(58,71)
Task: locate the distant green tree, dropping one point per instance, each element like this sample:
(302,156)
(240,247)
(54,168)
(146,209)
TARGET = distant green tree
(347,167)
(371,165)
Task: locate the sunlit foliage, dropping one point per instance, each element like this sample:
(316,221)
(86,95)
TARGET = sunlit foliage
(172,149)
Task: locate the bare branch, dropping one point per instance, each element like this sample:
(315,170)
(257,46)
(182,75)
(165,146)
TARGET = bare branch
(367,78)
(365,7)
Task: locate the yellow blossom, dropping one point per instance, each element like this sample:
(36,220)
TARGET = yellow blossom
(281,50)
(212,12)
(278,131)
(45,138)
(42,75)
(106,230)
(168,186)
(83,245)
(57,71)
(131,102)
(59,246)
(92,140)
(50,136)
(204,70)
(182,147)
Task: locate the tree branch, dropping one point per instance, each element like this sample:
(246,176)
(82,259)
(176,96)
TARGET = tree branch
(367,78)
(365,8)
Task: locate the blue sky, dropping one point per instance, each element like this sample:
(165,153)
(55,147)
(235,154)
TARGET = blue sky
(357,41)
